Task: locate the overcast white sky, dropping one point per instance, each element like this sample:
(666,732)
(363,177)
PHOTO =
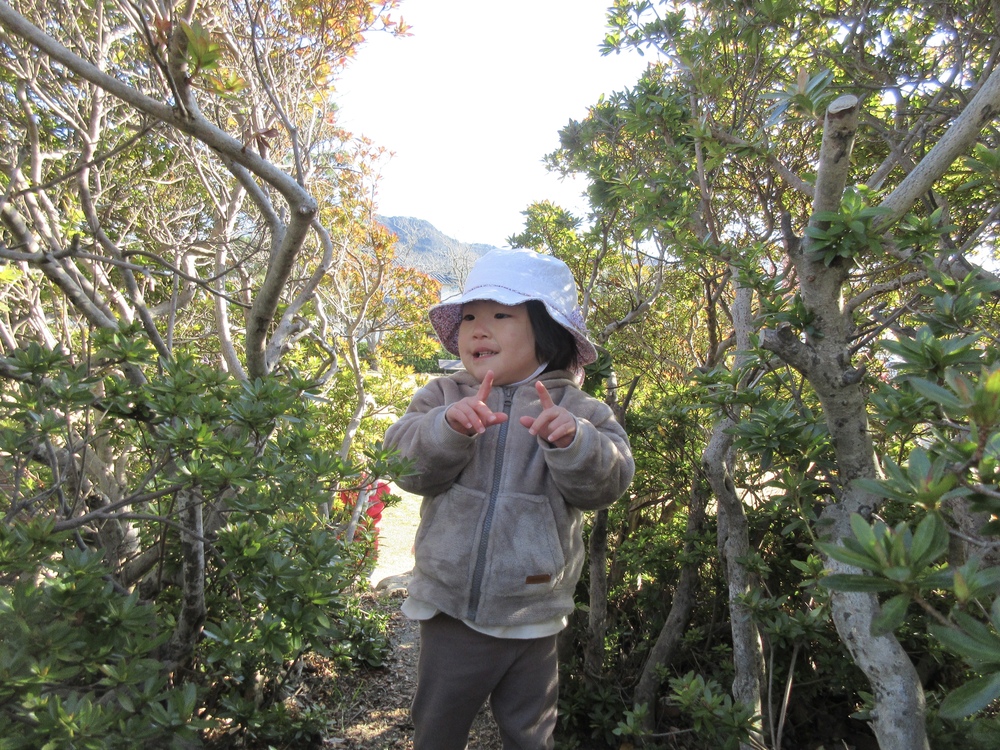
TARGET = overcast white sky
(472,102)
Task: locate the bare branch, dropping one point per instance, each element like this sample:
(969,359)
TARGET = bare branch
(979,112)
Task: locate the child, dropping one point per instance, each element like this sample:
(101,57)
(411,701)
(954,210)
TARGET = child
(508,454)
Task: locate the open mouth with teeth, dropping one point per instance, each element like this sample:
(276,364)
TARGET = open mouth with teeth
(483,353)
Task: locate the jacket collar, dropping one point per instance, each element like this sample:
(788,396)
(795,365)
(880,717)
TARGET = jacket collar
(555,378)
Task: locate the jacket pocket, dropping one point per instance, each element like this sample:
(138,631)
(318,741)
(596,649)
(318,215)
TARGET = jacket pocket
(448,530)
(526,555)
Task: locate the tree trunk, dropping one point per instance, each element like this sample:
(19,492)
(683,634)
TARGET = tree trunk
(734,546)
(593,663)
(359,507)
(597,618)
(824,358)
(733,534)
(680,610)
(191,615)
(361,400)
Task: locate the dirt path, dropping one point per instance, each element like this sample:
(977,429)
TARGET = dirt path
(395,541)
(381,712)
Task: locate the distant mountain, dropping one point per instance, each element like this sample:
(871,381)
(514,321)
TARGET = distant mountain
(422,246)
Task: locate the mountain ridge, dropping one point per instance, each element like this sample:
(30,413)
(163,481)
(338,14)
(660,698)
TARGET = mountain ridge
(421,245)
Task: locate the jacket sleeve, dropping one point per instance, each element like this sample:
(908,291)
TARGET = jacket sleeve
(424,436)
(595,469)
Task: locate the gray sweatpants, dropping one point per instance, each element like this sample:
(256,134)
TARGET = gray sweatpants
(460,668)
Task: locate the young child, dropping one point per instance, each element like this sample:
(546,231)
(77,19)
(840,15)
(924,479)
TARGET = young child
(508,455)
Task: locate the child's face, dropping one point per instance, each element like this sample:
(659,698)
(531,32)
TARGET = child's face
(497,337)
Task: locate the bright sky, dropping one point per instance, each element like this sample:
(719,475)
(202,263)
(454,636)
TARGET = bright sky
(473,100)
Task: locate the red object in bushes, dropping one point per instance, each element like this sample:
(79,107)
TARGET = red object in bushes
(375,504)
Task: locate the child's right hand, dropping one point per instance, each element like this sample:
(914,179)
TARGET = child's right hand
(471,415)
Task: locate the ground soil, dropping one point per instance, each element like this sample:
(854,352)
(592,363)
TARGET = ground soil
(373,704)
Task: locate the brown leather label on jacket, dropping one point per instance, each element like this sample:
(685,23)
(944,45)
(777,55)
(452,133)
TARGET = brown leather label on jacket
(541,578)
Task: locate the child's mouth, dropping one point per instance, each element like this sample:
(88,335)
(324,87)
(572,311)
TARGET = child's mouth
(482,355)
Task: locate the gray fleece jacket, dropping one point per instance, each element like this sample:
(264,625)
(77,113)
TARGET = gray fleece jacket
(500,537)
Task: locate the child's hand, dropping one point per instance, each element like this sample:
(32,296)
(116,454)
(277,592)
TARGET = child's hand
(471,415)
(555,424)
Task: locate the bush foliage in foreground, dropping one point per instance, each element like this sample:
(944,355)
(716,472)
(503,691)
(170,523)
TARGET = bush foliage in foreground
(91,576)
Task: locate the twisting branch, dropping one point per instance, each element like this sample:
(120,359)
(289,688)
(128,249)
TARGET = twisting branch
(89,163)
(979,112)
(186,118)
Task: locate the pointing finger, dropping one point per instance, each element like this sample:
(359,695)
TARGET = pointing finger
(544,396)
(485,387)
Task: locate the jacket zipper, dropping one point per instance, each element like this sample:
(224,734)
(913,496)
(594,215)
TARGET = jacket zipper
(484,539)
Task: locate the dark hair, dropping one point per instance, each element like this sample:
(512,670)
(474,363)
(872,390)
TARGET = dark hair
(553,343)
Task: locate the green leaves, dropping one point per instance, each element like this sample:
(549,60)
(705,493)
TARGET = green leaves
(984,168)
(946,392)
(804,98)
(978,644)
(905,563)
(899,561)
(927,353)
(714,714)
(847,233)
(597,373)
(79,659)
(963,464)
(970,698)
(922,233)
(922,481)
(203,52)
(891,615)
(76,666)
(957,304)
(780,432)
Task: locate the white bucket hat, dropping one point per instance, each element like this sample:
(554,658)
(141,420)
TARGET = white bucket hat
(511,277)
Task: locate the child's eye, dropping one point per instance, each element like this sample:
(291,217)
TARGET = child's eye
(498,316)
(468,316)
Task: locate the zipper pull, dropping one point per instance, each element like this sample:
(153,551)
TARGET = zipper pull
(508,398)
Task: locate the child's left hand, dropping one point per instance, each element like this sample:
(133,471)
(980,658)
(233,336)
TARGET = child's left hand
(555,424)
